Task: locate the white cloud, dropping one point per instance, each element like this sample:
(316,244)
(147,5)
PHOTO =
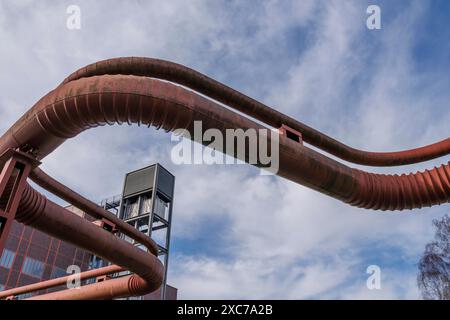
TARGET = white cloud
(279,240)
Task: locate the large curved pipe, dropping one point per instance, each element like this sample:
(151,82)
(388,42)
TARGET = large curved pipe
(98,100)
(40,213)
(43,285)
(89,207)
(180,74)
(106,290)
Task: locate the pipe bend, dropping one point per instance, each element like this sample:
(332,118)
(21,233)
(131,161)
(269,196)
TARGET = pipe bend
(199,82)
(42,214)
(88,102)
(60,190)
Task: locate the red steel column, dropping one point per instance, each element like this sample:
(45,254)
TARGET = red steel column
(16,168)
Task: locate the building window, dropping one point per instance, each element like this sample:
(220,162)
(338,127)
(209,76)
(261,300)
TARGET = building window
(33,267)
(131,208)
(96,262)
(7,258)
(161,208)
(142,224)
(24,295)
(146,204)
(58,273)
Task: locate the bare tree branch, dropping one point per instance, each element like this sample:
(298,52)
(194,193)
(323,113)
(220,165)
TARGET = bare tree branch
(434,266)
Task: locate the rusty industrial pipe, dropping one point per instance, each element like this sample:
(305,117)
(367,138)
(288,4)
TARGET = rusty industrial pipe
(92,101)
(121,91)
(43,285)
(90,208)
(199,82)
(40,213)
(122,287)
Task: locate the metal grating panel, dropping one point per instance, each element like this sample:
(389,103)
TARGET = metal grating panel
(138,181)
(165,182)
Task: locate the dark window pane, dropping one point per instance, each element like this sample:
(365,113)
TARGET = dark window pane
(58,273)
(161,208)
(24,295)
(7,258)
(33,267)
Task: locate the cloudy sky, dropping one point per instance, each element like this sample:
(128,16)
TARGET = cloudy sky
(238,234)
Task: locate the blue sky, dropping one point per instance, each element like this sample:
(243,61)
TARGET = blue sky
(238,234)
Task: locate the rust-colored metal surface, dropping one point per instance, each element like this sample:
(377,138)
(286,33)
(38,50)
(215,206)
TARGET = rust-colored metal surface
(180,74)
(59,281)
(13,176)
(98,100)
(123,287)
(125,90)
(40,213)
(91,208)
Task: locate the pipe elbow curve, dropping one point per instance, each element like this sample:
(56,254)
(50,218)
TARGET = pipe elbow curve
(101,94)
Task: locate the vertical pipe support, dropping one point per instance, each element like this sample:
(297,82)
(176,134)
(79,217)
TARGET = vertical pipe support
(16,168)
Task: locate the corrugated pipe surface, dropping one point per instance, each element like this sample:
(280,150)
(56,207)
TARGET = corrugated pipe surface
(40,213)
(91,98)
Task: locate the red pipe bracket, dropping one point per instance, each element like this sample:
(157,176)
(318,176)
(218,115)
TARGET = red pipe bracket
(290,133)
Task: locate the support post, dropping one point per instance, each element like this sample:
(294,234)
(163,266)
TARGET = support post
(16,168)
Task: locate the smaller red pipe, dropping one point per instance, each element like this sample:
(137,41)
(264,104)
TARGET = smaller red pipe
(59,281)
(90,208)
(173,72)
(123,287)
